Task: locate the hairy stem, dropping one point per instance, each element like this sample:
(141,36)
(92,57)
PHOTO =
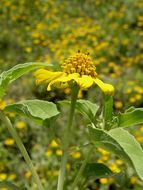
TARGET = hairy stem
(67,139)
(21,147)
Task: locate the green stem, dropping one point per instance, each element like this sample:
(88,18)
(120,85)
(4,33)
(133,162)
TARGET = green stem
(21,147)
(79,174)
(107,111)
(62,171)
(67,138)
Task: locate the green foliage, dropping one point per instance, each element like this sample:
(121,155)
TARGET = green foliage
(122,143)
(96,170)
(37,110)
(131,117)
(14,73)
(85,107)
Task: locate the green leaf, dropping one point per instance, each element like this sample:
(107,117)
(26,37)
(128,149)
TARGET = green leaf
(122,143)
(132,117)
(85,107)
(108,111)
(37,110)
(17,71)
(96,170)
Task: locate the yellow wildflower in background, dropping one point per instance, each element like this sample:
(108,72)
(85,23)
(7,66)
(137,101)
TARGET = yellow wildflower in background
(78,69)
(119,162)
(53,173)
(48,152)
(114,167)
(104,181)
(20,125)
(134,180)
(28,174)
(28,49)
(76,155)
(59,152)
(9,142)
(118,105)
(12,176)
(54,144)
(103,151)
(2,104)
(3,176)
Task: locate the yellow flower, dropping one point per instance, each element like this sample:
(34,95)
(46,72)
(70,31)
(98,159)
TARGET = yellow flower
(2,104)
(132,100)
(139,138)
(134,180)
(48,153)
(103,151)
(9,142)
(20,125)
(104,181)
(75,155)
(59,152)
(53,173)
(119,162)
(114,167)
(141,129)
(28,49)
(27,174)
(77,69)
(105,158)
(54,144)
(12,176)
(3,176)
(118,104)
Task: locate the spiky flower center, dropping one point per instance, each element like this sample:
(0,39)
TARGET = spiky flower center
(80,63)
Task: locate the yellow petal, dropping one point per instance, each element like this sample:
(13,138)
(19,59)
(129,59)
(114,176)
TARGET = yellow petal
(85,81)
(62,82)
(43,75)
(106,88)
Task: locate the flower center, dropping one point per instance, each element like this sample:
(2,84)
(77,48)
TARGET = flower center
(79,63)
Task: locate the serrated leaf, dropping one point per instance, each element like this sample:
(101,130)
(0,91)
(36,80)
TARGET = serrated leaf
(122,143)
(38,110)
(17,71)
(129,118)
(85,107)
(96,170)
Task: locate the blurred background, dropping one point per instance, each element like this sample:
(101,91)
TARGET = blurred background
(50,31)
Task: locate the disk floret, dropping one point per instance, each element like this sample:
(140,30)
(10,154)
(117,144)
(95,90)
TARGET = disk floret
(80,63)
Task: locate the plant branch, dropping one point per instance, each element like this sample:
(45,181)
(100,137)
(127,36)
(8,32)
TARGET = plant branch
(67,138)
(21,147)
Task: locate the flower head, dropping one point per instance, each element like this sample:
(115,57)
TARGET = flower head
(78,69)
